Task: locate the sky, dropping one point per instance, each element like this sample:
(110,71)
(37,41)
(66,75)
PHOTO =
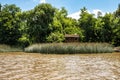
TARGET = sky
(72,6)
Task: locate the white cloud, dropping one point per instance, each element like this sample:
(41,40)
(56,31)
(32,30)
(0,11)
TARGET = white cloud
(42,1)
(95,12)
(76,15)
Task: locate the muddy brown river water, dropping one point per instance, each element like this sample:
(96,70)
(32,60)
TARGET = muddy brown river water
(32,66)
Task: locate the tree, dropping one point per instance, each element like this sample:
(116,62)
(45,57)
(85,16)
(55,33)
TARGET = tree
(55,37)
(107,31)
(116,31)
(0,7)
(38,22)
(117,12)
(9,24)
(58,23)
(116,40)
(86,23)
(99,14)
(98,30)
(64,25)
(72,27)
(24,39)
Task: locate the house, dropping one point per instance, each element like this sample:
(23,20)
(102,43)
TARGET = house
(71,38)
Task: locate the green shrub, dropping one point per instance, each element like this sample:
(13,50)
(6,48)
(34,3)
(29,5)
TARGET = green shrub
(70,48)
(55,37)
(23,41)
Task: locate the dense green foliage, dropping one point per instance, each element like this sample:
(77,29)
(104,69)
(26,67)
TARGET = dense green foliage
(46,23)
(9,24)
(70,48)
(87,23)
(38,22)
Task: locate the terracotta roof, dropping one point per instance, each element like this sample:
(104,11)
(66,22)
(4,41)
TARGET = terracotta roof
(71,35)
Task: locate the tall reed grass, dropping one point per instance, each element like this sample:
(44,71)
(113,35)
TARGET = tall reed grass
(70,48)
(7,48)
